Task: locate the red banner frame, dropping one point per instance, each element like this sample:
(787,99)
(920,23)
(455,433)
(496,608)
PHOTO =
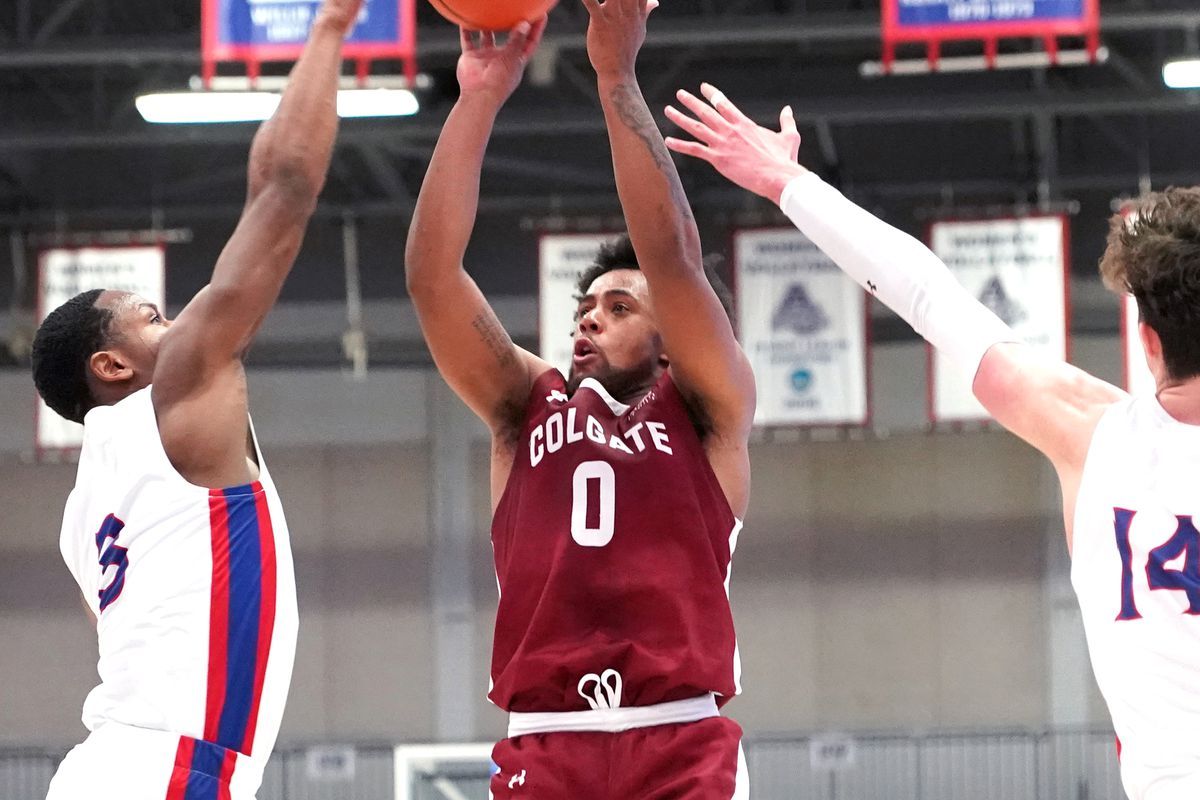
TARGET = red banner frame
(990,33)
(214,52)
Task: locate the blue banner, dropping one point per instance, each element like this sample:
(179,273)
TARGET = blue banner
(977,12)
(282,23)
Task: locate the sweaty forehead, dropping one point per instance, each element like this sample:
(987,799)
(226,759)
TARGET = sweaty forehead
(627,280)
(118,301)
(125,307)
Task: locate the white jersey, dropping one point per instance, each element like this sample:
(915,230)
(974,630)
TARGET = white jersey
(194,590)
(1136,570)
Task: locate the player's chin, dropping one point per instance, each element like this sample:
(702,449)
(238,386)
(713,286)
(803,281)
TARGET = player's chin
(581,371)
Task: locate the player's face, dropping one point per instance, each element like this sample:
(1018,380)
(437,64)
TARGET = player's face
(616,339)
(135,332)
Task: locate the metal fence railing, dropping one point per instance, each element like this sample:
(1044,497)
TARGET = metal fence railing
(1018,765)
(1072,764)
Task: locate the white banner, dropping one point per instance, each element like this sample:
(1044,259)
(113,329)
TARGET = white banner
(803,324)
(64,273)
(1018,269)
(1138,377)
(563,258)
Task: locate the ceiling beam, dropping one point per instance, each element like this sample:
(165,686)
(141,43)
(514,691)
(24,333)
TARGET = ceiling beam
(533,122)
(59,17)
(589,202)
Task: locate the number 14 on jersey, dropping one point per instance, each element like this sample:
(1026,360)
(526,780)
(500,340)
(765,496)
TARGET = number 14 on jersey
(1184,542)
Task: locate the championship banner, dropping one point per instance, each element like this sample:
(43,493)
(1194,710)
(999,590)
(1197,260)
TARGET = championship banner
(276,30)
(563,258)
(803,324)
(1018,268)
(1138,377)
(932,22)
(64,273)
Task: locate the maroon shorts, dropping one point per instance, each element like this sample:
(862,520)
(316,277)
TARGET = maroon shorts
(688,761)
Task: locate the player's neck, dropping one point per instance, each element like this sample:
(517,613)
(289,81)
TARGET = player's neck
(1181,399)
(630,392)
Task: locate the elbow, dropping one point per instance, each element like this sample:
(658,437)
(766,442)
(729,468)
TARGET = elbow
(421,271)
(297,182)
(291,175)
(294,192)
(417,282)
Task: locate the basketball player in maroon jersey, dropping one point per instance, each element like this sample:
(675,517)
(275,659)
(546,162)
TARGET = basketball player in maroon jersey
(618,492)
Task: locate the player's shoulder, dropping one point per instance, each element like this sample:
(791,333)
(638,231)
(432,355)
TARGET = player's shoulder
(1142,418)
(138,402)
(110,428)
(548,387)
(549,379)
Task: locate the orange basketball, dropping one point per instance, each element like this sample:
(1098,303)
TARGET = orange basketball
(492,15)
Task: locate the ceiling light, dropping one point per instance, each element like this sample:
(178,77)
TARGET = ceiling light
(1182,73)
(213,107)
(353,103)
(202,107)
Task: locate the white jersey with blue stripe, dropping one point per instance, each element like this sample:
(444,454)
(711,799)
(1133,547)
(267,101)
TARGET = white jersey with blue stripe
(193,590)
(1136,570)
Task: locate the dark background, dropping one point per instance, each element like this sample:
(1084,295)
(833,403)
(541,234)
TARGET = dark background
(75,155)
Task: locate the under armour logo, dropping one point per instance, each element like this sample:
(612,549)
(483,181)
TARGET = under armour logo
(556,396)
(517,780)
(871,285)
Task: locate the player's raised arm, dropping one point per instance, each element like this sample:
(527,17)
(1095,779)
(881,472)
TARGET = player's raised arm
(705,358)
(472,350)
(199,388)
(1050,404)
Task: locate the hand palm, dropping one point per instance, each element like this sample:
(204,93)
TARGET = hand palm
(753,157)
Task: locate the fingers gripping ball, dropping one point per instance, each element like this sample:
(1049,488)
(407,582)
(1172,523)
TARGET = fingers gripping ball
(492,15)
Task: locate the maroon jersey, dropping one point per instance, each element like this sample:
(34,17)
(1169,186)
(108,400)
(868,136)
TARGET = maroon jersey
(612,542)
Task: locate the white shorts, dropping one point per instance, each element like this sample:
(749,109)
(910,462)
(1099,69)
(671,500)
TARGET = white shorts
(120,762)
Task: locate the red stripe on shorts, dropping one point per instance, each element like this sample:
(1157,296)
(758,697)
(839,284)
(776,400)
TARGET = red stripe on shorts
(177,788)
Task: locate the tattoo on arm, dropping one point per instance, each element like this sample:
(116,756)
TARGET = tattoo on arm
(632,109)
(496,338)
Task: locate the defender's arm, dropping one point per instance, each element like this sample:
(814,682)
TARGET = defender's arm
(1050,404)
(472,350)
(199,390)
(706,360)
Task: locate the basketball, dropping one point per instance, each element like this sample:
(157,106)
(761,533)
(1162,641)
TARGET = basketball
(492,15)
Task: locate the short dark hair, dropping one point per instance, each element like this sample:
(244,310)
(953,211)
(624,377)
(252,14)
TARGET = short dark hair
(65,341)
(619,254)
(1155,256)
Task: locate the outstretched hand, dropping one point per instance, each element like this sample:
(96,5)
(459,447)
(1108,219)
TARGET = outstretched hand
(616,33)
(755,158)
(487,68)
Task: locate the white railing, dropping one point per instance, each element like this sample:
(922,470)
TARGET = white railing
(1075,764)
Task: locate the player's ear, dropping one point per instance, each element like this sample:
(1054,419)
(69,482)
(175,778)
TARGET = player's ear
(109,366)
(1152,345)
(1150,341)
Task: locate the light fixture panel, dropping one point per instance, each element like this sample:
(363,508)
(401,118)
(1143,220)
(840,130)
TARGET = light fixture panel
(195,108)
(1182,73)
